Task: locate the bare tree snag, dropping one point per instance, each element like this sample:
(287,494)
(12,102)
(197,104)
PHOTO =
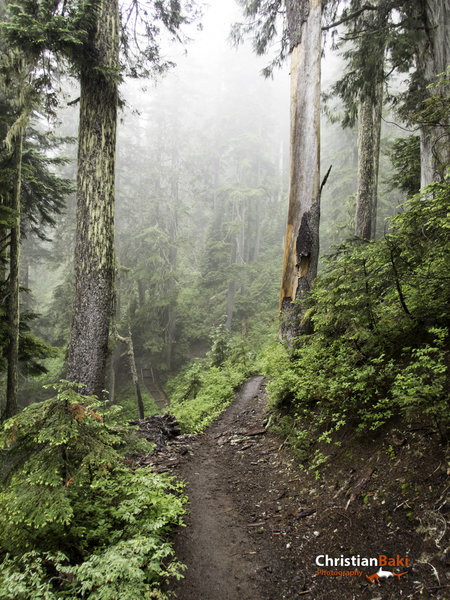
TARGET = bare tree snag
(302,233)
(94,250)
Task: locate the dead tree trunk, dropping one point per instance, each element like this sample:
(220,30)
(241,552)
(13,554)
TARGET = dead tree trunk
(302,233)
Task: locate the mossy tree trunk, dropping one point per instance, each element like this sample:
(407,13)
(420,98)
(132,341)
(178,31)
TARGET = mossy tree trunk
(302,234)
(94,250)
(12,352)
(133,370)
(433,58)
(369,130)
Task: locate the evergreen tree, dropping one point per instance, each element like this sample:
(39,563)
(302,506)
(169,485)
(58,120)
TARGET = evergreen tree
(417,40)
(367,38)
(88,34)
(371,50)
(19,97)
(94,251)
(33,195)
(433,59)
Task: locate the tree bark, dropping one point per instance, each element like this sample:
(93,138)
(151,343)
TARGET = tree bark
(369,129)
(94,251)
(433,58)
(133,370)
(302,233)
(12,353)
(232,286)
(172,229)
(377,115)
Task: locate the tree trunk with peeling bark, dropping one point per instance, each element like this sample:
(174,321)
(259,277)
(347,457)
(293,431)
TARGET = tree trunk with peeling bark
(369,130)
(433,58)
(94,251)
(302,233)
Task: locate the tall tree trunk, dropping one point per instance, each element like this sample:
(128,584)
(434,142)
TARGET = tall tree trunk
(133,371)
(141,292)
(377,115)
(302,233)
(12,352)
(257,245)
(114,369)
(172,229)
(232,287)
(94,251)
(433,58)
(369,129)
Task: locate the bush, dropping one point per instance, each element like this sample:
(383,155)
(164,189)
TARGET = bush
(86,524)
(199,396)
(380,343)
(207,386)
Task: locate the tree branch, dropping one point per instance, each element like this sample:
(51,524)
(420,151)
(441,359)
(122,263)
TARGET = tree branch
(350,17)
(324,180)
(398,286)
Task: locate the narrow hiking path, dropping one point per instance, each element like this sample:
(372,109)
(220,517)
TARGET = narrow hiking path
(229,547)
(256,522)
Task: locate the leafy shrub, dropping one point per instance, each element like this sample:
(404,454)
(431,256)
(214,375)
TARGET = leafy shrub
(126,398)
(87,524)
(216,389)
(380,343)
(207,386)
(421,387)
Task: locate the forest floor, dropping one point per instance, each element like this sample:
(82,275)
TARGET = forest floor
(256,522)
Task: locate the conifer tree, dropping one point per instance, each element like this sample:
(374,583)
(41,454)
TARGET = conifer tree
(94,251)
(15,70)
(88,34)
(13,287)
(433,59)
(370,106)
(23,91)
(31,195)
(415,35)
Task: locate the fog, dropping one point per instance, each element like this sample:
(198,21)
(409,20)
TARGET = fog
(201,200)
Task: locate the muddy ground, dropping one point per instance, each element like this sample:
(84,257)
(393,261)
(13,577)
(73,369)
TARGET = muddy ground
(257,522)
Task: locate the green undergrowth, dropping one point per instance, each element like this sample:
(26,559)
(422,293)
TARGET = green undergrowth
(77,520)
(201,392)
(36,387)
(380,347)
(126,398)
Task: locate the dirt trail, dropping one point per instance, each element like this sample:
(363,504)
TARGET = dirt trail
(221,545)
(257,523)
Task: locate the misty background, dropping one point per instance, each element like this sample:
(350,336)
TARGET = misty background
(201,206)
